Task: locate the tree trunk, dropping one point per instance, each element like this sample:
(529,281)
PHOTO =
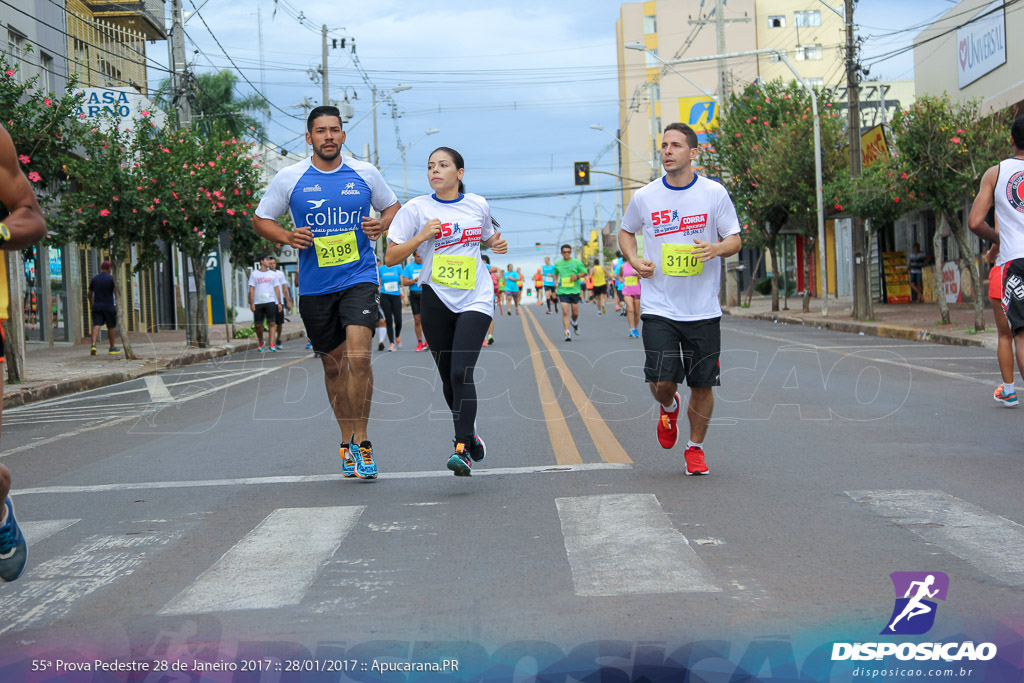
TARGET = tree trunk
(775,275)
(753,274)
(200,330)
(972,268)
(808,255)
(124,306)
(936,255)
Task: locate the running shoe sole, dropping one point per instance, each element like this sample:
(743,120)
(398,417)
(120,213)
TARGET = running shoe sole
(459,466)
(482,449)
(1011,402)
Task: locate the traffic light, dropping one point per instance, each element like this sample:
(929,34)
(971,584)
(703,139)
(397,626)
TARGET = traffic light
(582,174)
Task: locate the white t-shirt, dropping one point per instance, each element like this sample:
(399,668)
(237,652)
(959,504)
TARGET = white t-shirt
(263,281)
(1009,203)
(679,215)
(281,281)
(465,222)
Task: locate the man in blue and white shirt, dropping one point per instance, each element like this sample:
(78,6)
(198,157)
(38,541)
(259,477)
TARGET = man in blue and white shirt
(330,198)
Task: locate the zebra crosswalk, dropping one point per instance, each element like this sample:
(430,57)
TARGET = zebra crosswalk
(295,556)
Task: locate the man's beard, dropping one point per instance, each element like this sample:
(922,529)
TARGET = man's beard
(327,157)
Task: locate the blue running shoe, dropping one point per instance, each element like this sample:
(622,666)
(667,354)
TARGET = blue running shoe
(477,449)
(460,462)
(349,455)
(13,550)
(309,346)
(366,468)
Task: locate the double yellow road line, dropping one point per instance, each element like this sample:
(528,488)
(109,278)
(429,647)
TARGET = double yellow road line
(566,452)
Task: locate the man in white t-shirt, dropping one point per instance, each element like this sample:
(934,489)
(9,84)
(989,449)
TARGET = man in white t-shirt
(264,295)
(285,300)
(689,225)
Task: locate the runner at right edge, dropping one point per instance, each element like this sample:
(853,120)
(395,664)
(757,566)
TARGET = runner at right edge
(682,217)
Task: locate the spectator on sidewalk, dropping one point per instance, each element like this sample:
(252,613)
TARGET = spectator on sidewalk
(104,309)
(285,302)
(917,260)
(264,293)
(23,226)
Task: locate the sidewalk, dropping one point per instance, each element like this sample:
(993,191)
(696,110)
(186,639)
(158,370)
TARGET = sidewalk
(67,369)
(914,322)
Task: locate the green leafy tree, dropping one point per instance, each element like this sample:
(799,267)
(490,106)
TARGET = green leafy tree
(880,195)
(110,203)
(945,147)
(764,153)
(209,185)
(42,125)
(216,105)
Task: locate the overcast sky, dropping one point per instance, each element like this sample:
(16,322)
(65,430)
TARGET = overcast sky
(513,86)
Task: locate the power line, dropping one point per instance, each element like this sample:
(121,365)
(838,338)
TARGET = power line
(240,72)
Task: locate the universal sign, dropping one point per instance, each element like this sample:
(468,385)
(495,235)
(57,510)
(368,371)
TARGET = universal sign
(981,44)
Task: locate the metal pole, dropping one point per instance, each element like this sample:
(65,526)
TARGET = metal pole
(822,255)
(373,110)
(405,178)
(323,70)
(654,132)
(179,66)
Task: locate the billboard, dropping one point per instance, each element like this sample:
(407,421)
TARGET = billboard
(981,44)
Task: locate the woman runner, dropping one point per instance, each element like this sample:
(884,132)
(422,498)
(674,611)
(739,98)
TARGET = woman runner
(447,228)
(391,302)
(631,293)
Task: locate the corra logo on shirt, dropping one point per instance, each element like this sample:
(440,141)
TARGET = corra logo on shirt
(312,188)
(452,234)
(350,188)
(669,222)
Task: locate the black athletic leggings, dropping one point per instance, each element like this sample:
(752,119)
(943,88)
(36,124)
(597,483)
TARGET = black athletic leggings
(391,304)
(455,340)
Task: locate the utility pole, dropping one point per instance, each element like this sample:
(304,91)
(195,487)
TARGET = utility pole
(373,109)
(723,81)
(179,67)
(862,309)
(323,68)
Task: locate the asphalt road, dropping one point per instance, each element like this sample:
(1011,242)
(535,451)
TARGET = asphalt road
(206,506)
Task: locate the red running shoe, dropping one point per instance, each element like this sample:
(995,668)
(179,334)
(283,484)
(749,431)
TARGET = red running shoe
(695,461)
(667,430)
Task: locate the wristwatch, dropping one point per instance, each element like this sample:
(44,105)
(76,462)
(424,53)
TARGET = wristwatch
(5,234)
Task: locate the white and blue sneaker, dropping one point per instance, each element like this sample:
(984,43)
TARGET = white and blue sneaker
(349,454)
(13,550)
(366,468)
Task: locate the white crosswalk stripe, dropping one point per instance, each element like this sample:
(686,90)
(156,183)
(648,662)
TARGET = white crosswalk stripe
(626,544)
(49,590)
(991,543)
(34,532)
(257,573)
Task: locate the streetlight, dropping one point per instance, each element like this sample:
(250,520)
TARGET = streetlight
(781,55)
(373,109)
(641,46)
(597,126)
(405,148)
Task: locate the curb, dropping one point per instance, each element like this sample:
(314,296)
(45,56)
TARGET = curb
(42,392)
(851,327)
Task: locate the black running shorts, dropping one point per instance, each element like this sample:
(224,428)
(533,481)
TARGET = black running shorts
(414,301)
(327,315)
(677,350)
(264,313)
(569,298)
(106,319)
(600,290)
(1013,293)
